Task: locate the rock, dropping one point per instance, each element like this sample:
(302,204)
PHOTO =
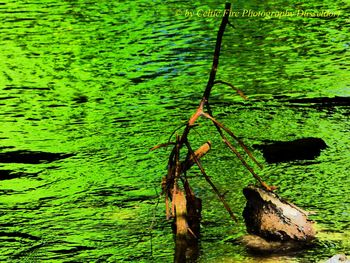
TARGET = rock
(340,258)
(274,219)
(300,149)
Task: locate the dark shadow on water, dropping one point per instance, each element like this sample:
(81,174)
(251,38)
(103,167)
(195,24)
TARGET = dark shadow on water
(324,101)
(8,174)
(18,235)
(31,157)
(285,151)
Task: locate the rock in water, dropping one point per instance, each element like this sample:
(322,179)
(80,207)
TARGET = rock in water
(274,219)
(340,258)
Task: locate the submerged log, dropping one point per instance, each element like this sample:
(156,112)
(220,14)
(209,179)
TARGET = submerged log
(275,223)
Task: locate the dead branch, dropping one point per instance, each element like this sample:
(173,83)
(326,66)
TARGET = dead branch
(233,136)
(180,201)
(240,93)
(207,178)
(199,153)
(161,145)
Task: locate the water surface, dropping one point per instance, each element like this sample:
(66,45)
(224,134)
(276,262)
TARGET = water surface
(87,88)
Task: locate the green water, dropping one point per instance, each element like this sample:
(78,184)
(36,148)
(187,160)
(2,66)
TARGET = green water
(107,81)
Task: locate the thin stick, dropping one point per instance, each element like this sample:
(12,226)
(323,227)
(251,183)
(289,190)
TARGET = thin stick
(234,150)
(215,65)
(161,145)
(246,165)
(240,93)
(178,128)
(212,75)
(177,160)
(233,136)
(221,197)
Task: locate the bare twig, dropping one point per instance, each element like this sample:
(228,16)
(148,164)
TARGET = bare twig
(207,178)
(178,128)
(240,93)
(233,136)
(215,65)
(161,145)
(176,167)
(231,25)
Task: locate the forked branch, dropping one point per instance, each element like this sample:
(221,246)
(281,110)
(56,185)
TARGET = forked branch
(177,168)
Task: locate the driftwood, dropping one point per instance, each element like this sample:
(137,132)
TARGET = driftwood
(181,204)
(177,168)
(274,223)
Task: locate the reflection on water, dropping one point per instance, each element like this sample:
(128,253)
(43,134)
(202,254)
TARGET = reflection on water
(87,88)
